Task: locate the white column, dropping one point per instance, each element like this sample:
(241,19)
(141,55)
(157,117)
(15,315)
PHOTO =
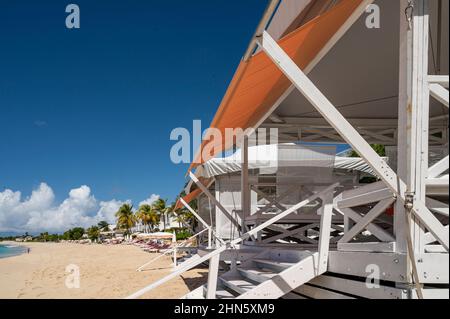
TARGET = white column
(412,155)
(245,187)
(212,276)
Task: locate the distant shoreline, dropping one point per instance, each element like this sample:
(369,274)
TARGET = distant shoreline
(10,249)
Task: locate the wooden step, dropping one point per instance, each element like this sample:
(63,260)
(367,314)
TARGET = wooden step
(238,284)
(276,266)
(224,294)
(257,275)
(221,293)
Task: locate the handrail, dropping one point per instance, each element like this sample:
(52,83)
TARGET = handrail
(205,224)
(232,243)
(171,249)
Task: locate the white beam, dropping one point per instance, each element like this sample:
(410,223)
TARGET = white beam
(213,199)
(349,134)
(213,273)
(325,229)
(438,168)
(439,93)
(202,221)
(290,233)
(437,206)
(438,79)
(375,230)
(246,204)
(367,219)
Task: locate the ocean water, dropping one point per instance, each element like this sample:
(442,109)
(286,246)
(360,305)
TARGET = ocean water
(7,250)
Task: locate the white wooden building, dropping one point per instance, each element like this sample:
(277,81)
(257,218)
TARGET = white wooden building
(330,71)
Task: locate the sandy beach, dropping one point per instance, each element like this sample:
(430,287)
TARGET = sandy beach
(105,272)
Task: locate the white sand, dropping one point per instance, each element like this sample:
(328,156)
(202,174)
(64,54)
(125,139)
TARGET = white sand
(105,272)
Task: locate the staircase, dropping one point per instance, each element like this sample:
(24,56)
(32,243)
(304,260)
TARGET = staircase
(189,257)
(270,275)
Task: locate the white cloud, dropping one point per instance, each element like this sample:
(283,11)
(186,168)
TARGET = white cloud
(39,212)
(153,198)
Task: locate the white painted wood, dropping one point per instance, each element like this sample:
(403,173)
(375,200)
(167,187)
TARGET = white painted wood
(320,293)
(188,207)
(325,229)
(272,202)
(439,79)
(375,196)
(297,235)
(292,295)
(245,187)
(214,200)
(436,294)
(350,135)
(439,93)
(285,281)
(233,243)
(438,168)
(213,274)
(357,288)
(208,227)
(289,233)
(361,190)
(434,249)
(377,231)
(367,219)
(429,238)
(432,268)
(287,212)
(437,186)
(238,284)
(170,251)
(368,247)
(437,206)
(392,266)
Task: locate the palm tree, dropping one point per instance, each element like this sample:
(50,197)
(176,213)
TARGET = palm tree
(180,218)
(147,216)
(93,233)
(188,219)
(126,218)
(103,225)
(161,208)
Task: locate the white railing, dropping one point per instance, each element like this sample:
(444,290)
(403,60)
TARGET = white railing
(172,250)
(216,253)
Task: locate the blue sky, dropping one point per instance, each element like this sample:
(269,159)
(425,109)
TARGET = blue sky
(95,106)
(86,114)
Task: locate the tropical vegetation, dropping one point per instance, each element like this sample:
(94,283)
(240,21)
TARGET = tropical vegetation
(147,218)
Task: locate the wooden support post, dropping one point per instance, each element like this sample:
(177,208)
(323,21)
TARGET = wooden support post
(325,229)
(413,124)
(209,237)
(245,186)
(213,273)
(175,258)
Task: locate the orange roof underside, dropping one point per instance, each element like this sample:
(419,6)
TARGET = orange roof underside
(188,198)
(258,83)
